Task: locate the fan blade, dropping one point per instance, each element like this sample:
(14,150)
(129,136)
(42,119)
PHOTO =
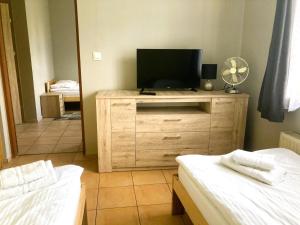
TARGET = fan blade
(226,72)
(234,78)
(233,63)
(242,70)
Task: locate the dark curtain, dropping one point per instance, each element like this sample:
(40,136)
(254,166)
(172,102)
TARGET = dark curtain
(271,100)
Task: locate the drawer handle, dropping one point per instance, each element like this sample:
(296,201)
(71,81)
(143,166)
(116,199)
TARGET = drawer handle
(121,104)
(172,120)
(171,154)
(172,138)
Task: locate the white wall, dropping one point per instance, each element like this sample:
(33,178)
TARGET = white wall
(118,28)
(40,41)
(63,31)
(258,25)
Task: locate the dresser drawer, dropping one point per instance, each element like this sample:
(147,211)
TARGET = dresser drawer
(149,158)
(174,140)
(223,105)
(123,149)
(221,141)
(173,123)
(122,115)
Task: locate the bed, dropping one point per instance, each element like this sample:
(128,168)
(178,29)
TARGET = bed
(210,201)
(70,93)
(60,204)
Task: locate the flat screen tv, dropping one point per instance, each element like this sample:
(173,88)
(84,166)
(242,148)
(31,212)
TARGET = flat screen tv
(169,68)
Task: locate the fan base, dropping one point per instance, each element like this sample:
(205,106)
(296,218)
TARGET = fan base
(232,91)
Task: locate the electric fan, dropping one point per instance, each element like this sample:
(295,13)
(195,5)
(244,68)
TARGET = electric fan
(234,72)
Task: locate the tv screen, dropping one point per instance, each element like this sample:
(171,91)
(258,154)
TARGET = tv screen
(169,68)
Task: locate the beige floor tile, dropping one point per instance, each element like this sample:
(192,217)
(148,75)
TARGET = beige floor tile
(91,217)
(118,216)
(76,127)
(116,179)
(91,198)
(75,122)
(40,149)
(66,148)
(90,165)
(148,177)
(70,140)
(60,123)
(91,179)
(47,140)
(53,133)
(170,187)
(152,194)
(61,159)
(158,215)
(169,174)
(26,141)
(24,159)
(22,149)
(81,157)
(30,134)
(116,197)
(72,133)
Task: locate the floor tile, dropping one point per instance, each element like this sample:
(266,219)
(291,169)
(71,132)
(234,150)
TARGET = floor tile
(66,148)
(118,216)
(47,140)
(22,149)
(91,179)
(70,140)
(72,133)
(25,159)
(152,194)
(26,141)
(91,217)
(115,179)
(148,177)
(170,187)
(81,157)
(76,127)
(53,133)
(169,174)
(31,134)
(116,197)
(91,198)
(158,215)
(40,149)
(61,158)
(90,165)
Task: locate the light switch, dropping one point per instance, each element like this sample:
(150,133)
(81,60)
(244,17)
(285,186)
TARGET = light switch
(97,56)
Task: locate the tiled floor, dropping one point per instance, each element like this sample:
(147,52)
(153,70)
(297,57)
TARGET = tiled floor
(119,198)
(49,136)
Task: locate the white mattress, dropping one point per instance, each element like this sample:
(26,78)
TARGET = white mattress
(225,195)
(55,205)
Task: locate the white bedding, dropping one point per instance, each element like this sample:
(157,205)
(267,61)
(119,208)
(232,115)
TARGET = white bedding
(241,200)
(55,205)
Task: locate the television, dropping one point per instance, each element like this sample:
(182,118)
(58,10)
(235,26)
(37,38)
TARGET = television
(169,68)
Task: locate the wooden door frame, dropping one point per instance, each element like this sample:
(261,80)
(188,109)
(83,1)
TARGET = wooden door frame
(7,91)
(79,75)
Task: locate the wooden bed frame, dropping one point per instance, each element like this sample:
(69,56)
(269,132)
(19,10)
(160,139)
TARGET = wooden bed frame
(66,97)
(81,217)
(183,203)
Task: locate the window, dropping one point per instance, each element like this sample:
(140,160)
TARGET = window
(293,88)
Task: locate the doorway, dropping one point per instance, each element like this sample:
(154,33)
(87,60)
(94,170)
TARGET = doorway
(42,63)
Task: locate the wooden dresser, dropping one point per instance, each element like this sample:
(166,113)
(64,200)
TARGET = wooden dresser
(141,131)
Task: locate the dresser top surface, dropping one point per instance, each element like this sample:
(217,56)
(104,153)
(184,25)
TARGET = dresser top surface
(167,94)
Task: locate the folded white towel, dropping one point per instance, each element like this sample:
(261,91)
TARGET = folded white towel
(271,177)
(22,174)
(35,185)
(253,159)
